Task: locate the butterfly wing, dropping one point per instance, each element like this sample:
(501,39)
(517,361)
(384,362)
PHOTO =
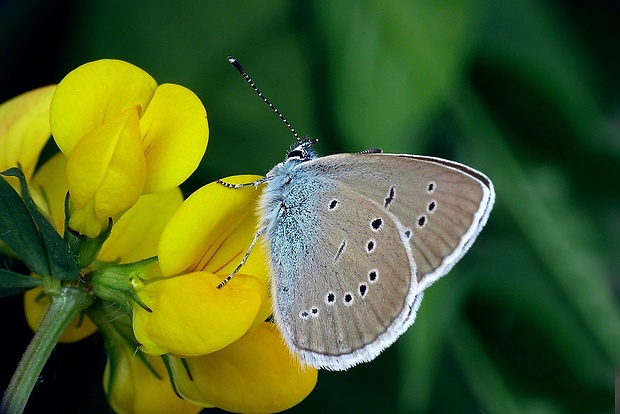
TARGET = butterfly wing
(357,239)
(341,273)
(442,204)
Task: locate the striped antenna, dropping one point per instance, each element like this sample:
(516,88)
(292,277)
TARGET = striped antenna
(243,73)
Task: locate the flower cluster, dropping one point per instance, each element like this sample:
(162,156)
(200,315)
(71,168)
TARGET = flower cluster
(146,262)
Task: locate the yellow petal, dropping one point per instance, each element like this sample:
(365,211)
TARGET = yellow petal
(35,307)
(231,252)
(106,172)
(255,374)
(24,129)
(175,136)
(92,94)
(49,188)
(202,224)
(136,234)
(232,249)
(192,317)
(135,389)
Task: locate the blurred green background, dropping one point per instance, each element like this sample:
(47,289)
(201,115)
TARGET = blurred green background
(526,91)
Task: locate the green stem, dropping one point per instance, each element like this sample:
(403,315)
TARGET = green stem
(67,303)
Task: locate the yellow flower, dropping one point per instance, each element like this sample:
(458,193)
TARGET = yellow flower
(126,146)
(136,389)
(255,374)
(220,333)
(134,382)
(204,241)
(135,236)
(124,136)
(24,130)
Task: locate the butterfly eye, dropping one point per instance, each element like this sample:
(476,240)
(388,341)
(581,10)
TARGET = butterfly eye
(295,154)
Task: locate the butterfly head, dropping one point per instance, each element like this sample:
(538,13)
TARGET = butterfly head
(302,150)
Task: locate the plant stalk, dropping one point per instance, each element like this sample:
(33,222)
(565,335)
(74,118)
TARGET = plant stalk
(67,302)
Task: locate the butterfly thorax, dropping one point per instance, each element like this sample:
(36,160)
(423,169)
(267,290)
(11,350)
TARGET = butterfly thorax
(273,202)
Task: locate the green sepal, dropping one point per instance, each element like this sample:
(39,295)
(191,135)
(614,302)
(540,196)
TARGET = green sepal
(62,263)
(12,283)
(117,283)
(167,363)
(84,248)
(19,231)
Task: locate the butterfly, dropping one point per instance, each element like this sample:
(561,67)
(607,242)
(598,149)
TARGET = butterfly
(354,240)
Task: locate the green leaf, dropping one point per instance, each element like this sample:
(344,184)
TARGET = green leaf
(19,232)
(62,264)
(12,283)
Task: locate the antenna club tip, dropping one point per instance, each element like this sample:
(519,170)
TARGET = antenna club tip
(231,59)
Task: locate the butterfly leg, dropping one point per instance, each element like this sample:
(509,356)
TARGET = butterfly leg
(243,185)
(243,260)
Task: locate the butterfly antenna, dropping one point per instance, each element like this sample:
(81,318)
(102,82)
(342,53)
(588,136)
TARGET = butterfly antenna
(249,80)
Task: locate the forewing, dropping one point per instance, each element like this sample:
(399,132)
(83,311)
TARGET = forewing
(442,204)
